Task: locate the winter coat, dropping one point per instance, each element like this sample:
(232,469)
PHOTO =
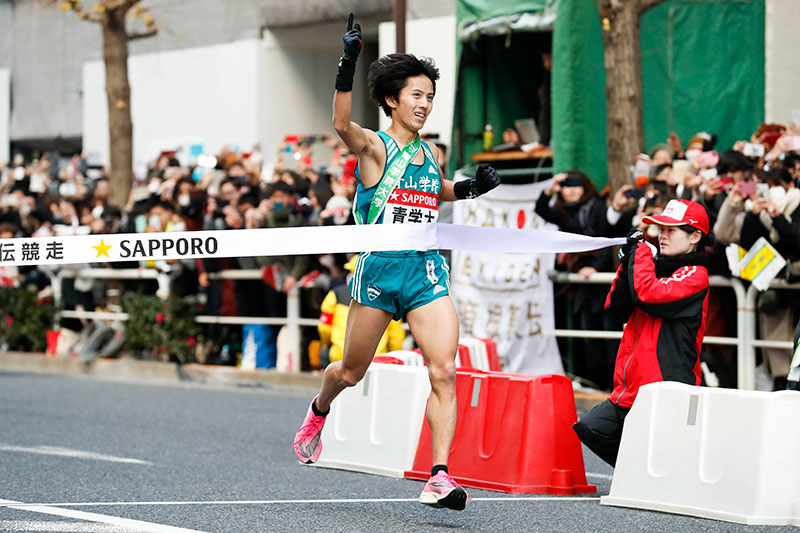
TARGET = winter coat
(666,300)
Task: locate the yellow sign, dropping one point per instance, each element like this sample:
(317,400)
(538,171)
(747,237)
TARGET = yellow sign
(757,263)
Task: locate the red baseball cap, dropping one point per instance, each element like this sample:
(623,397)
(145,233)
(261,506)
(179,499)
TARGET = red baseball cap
(681,213)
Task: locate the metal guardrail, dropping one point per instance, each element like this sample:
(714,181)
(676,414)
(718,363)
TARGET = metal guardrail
(292,321)
(745,340)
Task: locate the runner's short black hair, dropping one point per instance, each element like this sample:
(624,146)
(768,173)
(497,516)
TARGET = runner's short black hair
(389,74)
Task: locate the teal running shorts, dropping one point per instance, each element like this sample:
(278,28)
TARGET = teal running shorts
(399,282)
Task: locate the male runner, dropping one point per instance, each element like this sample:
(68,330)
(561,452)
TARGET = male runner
(399,181)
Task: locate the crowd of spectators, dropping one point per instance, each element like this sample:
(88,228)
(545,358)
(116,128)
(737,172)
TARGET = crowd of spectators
(750,190)
(309,182)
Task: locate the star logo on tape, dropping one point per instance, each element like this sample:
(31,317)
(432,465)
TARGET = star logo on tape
(102,249)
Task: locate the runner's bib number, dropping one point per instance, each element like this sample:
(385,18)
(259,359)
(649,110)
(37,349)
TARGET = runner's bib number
(409,206)
(389,182)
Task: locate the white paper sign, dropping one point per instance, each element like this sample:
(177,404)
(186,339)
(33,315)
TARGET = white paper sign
(507,297)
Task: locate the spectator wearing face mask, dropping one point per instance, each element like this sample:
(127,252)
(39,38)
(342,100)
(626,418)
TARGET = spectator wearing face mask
(278,208)
(791,162)
(338,208)
(732,168)
(190,201)
(573,204)
(9,275)
(774,215)
(728,226)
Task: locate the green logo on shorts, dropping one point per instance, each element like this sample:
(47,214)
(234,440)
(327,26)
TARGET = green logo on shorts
(373,292)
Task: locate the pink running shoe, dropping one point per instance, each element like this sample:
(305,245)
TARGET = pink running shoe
(442,490)
(308,443)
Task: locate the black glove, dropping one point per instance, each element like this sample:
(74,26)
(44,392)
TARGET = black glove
(347,63)
(634,237)
(486,179)
(352,41)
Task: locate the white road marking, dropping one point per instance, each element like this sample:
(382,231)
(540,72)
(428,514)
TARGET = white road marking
(68,452)
(59,527)
(600,476)
(135,525)
(310,501)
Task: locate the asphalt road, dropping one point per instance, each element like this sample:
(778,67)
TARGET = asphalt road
(112,456)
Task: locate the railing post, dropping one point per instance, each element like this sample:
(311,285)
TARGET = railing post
(748,380)
(742,333)
(55,283)
(164,282)
(293,325)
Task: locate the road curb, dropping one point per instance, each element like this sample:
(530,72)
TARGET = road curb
(127,368)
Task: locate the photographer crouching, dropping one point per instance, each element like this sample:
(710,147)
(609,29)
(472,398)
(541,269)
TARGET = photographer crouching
(665,297)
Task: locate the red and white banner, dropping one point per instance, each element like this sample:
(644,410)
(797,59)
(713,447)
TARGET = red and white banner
(508,296)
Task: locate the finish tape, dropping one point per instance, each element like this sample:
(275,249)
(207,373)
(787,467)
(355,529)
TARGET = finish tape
(110,248)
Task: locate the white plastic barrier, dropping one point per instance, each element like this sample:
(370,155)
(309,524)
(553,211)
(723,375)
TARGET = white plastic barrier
(715,453)
(478,356)
(375,426)
(408,357)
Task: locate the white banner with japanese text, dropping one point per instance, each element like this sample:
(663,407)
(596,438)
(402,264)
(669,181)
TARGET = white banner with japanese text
(507,296)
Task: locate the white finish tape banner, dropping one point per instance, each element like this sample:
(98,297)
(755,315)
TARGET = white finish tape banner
(508,296)
(284,241)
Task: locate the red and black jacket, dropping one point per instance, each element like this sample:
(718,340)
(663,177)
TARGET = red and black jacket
(666,300)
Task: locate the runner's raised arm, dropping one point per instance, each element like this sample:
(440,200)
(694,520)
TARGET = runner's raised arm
(353,135)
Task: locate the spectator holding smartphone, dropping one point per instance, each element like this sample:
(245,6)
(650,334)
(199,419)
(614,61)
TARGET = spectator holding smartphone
(773,214)
(573,204)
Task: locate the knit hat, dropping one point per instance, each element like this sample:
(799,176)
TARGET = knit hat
(661,146)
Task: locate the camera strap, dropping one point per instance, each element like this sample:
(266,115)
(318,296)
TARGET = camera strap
(389,181)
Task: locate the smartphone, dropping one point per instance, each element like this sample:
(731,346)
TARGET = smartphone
(572,181)
(762,189)
(709,173)
(634,194)
(748,187)
(67,189)
(10,200)
(753,150)
(680,168)
(792,143)
(708,159)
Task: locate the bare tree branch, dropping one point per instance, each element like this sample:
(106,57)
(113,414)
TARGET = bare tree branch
(644,5)
(143,34)
(93,17)
(111,5)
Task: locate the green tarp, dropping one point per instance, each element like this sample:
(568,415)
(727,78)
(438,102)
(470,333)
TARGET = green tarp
(578,91)
(702,66)
(703,69)
(471,10)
